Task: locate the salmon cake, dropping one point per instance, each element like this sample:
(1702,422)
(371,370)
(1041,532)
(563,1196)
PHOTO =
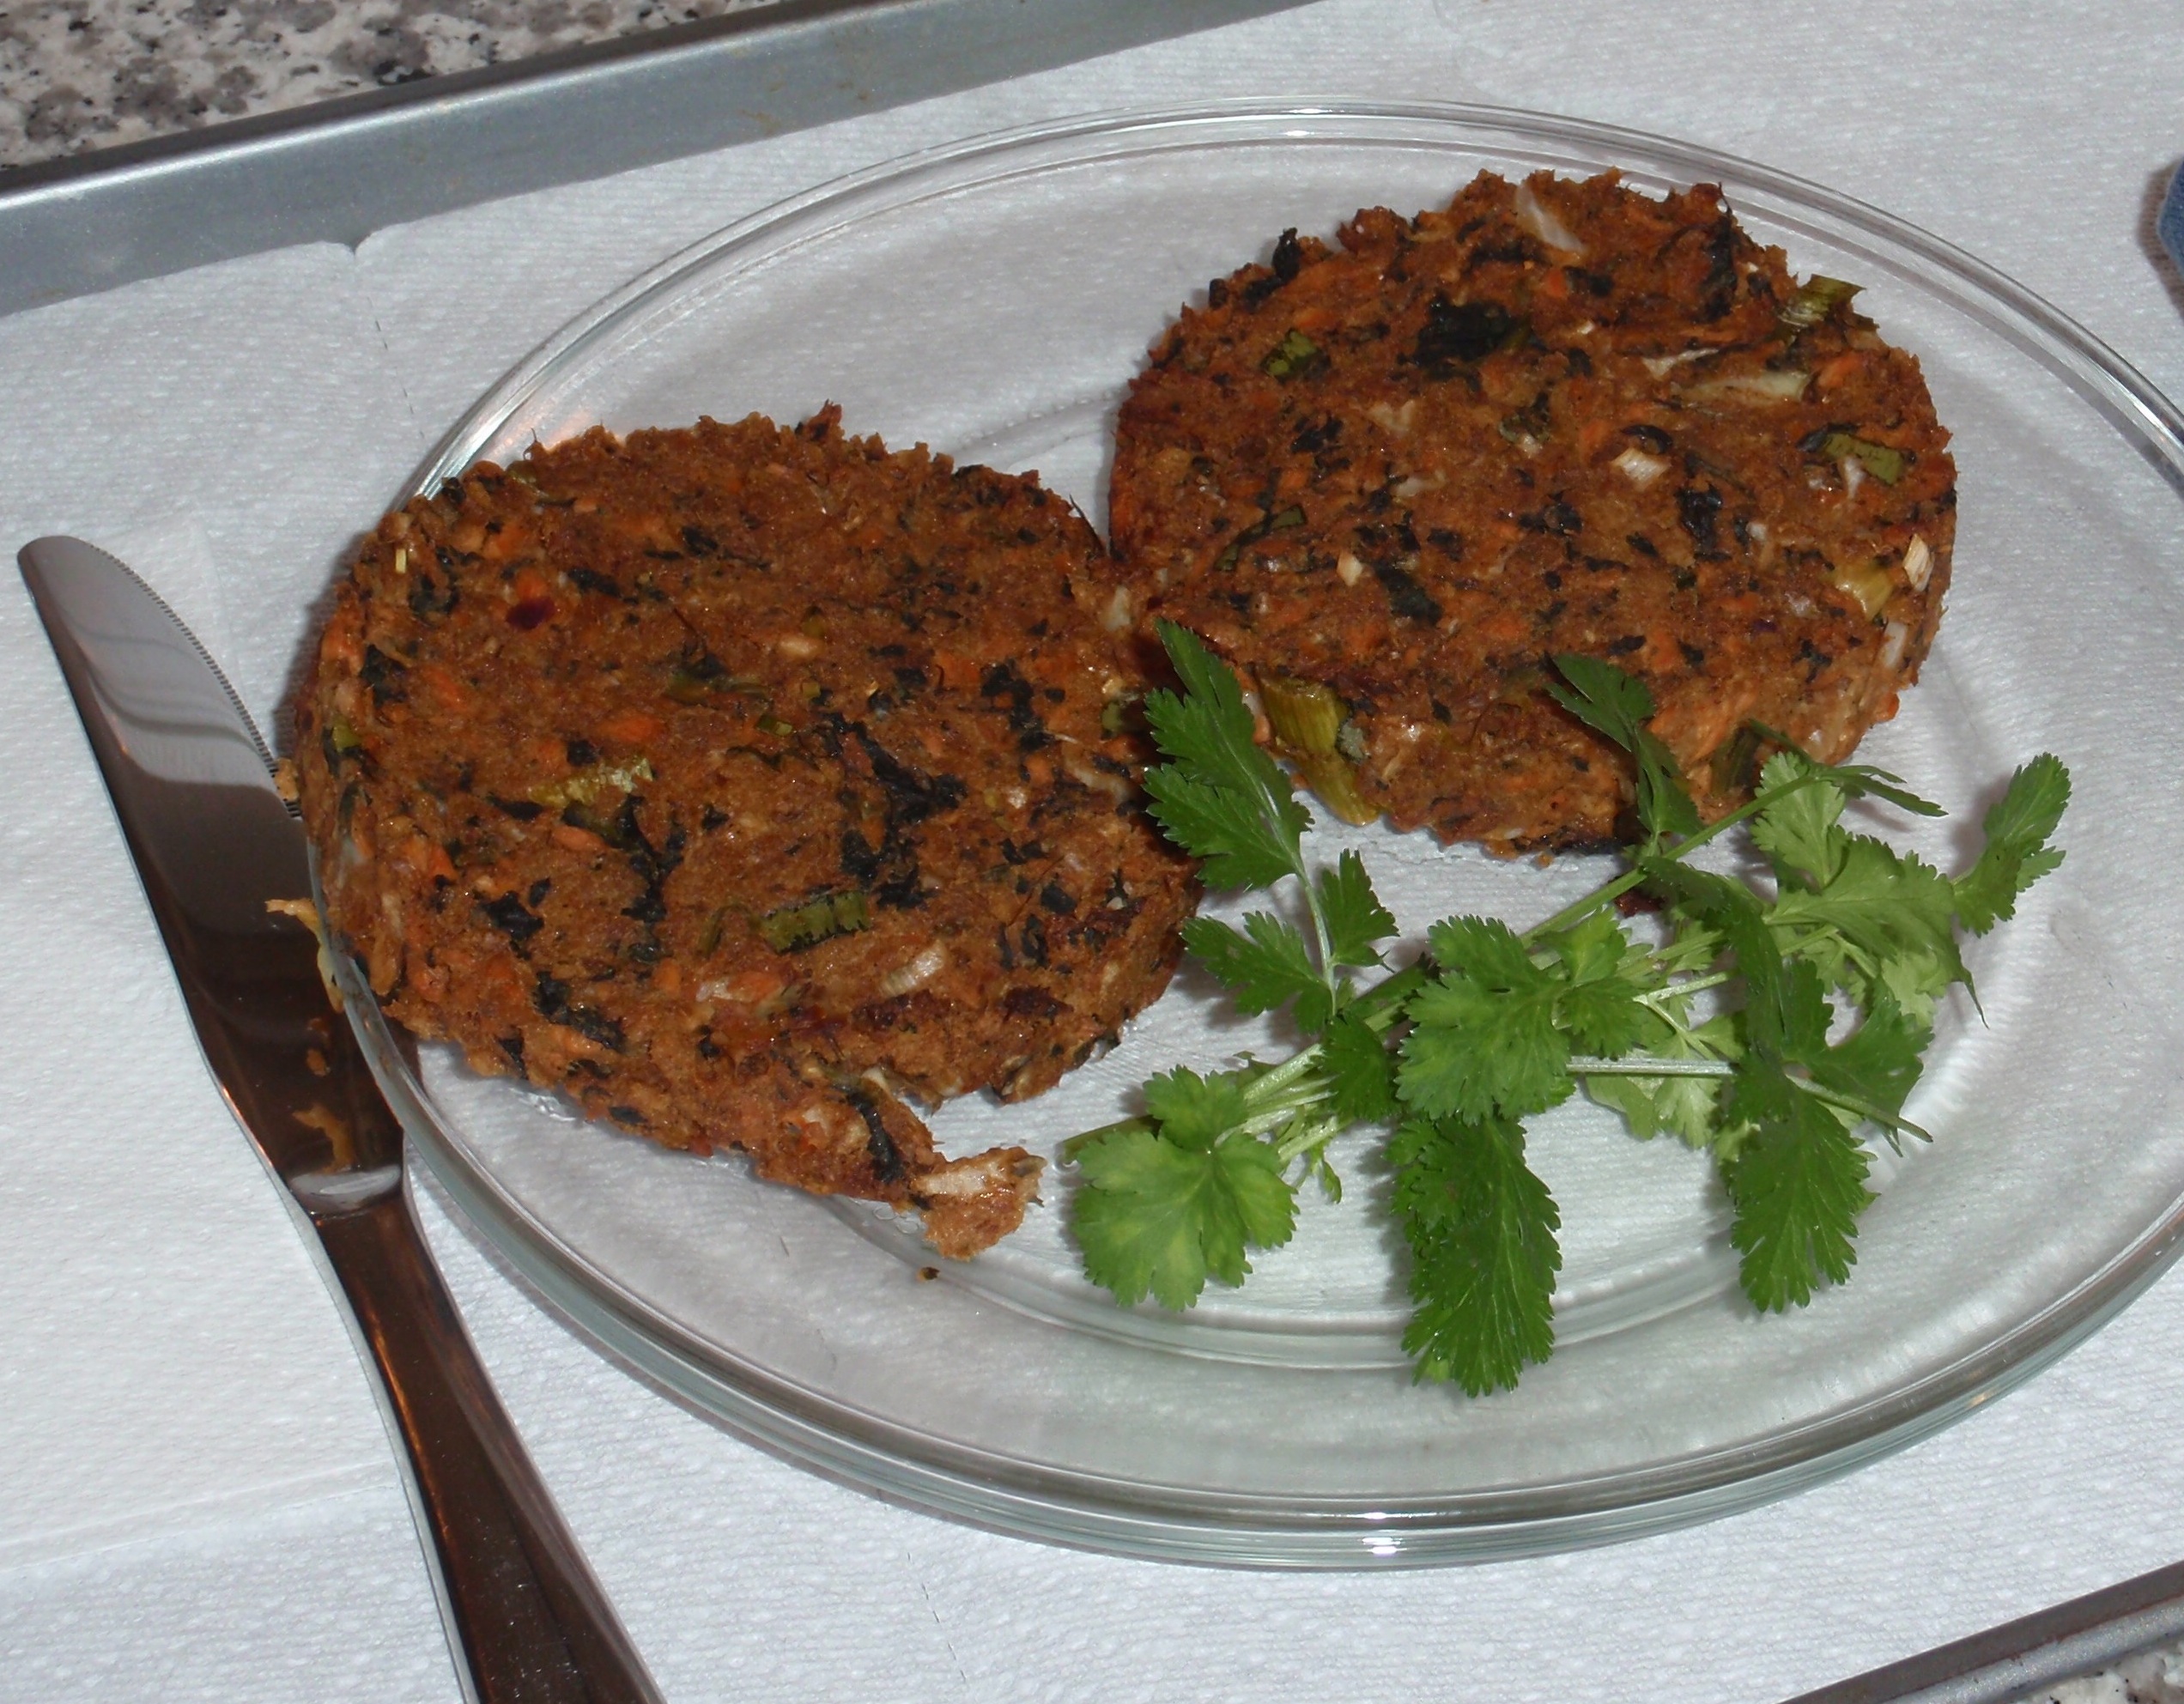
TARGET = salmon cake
(1390,479)
(745,784)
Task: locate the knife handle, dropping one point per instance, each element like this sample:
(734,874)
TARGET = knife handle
(533,1625)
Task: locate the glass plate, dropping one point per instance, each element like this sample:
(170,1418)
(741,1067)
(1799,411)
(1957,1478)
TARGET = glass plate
(993,299)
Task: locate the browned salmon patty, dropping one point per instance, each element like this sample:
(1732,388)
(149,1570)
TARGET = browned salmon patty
(732,779)
(1390,480)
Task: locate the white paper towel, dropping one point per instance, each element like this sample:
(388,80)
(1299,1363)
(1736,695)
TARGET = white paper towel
(175,1384)
(151,1275)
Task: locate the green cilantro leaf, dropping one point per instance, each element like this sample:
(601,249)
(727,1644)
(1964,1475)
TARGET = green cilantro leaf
(1603,697)
(1796,1187)
(1799,830)
(1600,1006)
(1194,1112)
(2017,853)
(1733,911)
(1210,727)
(1484,1039)
(1688,1107)
(1265,967)
(1853,781)
(1356,1060)
(1916,984)
(1605,1018)
(1228,829)
(1863,780)
(1592,949)
(1696,946)
(1483,1256)
(1355,917)
(1805,1013)
(1484,948)
(1617,705)
(1223,798)
(1883,905)
(1154,1218)
(1878,1064)
(1475,1050)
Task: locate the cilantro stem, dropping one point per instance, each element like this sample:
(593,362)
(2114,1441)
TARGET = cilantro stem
(1381,1004)
(1261,1090)
(1676,991)
(1317,1134)
(1608,891)
(1866,1109)
(1270,809)
(1649,1064)
(1274,1097)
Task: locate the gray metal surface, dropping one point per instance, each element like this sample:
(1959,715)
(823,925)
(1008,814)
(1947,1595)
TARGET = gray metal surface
(339,171)
(2007,1663)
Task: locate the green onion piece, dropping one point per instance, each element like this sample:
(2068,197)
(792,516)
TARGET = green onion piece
(693,677)
(1818,298)
(1305,715)
(791,929)
(1733,763)
(620,777)
(344,735)
(1283,519)
(771,724)
(1314,726)
(1884,463)
(1334,778)
(1294,357)
(1786,384)
(687,686)
(1125,714)
(586,786)
(1867,582)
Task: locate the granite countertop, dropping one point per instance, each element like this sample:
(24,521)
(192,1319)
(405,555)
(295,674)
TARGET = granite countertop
(89,73)
(84,74)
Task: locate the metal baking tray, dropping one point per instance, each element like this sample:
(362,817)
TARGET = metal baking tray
(2023,1658)
(341,169)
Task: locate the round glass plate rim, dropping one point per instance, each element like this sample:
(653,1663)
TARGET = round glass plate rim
(2125,385)
(868,1450)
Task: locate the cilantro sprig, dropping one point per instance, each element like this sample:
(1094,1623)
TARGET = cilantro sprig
(1770,1022)
(1180,1195)
(1224,800)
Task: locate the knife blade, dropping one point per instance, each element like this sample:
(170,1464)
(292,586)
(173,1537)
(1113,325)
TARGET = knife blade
(223,861)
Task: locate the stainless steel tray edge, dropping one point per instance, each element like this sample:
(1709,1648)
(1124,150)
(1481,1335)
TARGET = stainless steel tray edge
(2069,1641)
(338,171)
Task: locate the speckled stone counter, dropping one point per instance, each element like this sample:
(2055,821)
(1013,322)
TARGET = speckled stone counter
(88,74)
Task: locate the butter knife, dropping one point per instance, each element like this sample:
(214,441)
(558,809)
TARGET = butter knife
(219,853)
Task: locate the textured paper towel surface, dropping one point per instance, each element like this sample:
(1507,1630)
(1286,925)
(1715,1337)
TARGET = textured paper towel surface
(152,1278)
(177,1385)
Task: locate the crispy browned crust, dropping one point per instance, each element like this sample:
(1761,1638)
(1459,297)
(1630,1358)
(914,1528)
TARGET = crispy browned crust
(1537,421)
(583,732)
